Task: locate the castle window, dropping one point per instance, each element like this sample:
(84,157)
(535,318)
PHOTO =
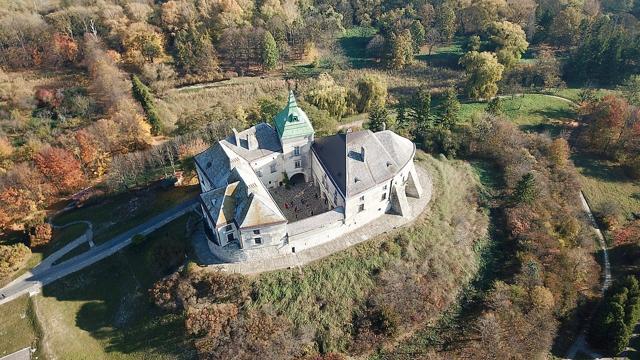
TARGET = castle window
(384,197)
(361,208)
(259,173)
(385,187)
(273,168)
(298,164)
(257,240)
(296,151)
(256,232)
(228,228)
(362,198)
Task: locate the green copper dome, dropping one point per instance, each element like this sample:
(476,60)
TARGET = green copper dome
(292,121)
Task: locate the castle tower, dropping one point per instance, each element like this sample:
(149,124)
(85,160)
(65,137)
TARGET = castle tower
(296,136)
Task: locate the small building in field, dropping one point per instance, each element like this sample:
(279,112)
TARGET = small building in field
(356,177)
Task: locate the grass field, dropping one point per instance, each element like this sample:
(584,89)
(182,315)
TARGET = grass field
(328,293)
(533,112)
(121,212)
(18,326)
(103,312)
(604,181)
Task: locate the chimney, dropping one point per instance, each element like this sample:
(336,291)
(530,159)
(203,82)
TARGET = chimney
(362,153)
(384,125)
(236,140)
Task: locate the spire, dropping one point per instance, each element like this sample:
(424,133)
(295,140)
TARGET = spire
(292,100)
(292,121)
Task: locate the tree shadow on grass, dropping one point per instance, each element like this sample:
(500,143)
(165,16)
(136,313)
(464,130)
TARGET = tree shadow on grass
(552,129)
(116,309)
(555,113)
(601,169)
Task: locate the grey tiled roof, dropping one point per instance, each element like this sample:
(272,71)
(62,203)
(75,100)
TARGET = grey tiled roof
(249,203)
(360,160)
(255,142)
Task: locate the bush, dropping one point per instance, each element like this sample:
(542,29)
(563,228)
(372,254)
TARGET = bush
(138,239)
(12,257)
(39,235)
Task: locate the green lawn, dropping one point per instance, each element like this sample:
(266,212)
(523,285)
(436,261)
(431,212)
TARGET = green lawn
(574,93)
(104,312)
(604,181)
(116,214)
(18,326)
(533,112)
(63,236)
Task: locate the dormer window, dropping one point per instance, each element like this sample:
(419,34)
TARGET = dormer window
(293,118)
(296,151)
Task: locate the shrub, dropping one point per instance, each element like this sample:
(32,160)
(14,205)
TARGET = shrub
(39,235)
(138,239)
(11,258)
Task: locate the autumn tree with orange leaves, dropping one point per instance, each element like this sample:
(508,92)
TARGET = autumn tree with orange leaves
(60,168)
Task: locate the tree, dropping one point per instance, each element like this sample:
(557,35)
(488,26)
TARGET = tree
(378,118)
(418,35)
(525,190)
(142,43)
(483,73)
(473,43)
(12,257)
(194,52)
(327,95)
(548,70)
(40,235)
(450,108)
(60,167)
(631,90)
(446,21)
(559,152)
(270,53)
(421,114)
(401,50)
(510,42)
(143,95)
(564,29)
(371,90)
(495,106)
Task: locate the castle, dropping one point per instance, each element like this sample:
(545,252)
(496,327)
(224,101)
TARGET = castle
(357,176)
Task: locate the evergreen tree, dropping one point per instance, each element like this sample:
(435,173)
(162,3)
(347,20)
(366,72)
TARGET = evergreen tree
(270,53)
(421,113)
(450,109)
(402,121)
(194,52)
(142,93)
(378,118)
(418,35)
(525,191)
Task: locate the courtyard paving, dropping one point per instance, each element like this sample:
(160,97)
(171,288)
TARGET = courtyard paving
(381,225)
(299,202)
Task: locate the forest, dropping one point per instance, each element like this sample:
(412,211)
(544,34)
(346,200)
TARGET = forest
(100,98)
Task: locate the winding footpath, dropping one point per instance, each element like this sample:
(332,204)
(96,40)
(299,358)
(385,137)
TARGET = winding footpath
(47,272)
(580,345)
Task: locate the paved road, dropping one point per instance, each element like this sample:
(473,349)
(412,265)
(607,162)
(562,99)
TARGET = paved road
(23,354)
(33,281)
(581,345)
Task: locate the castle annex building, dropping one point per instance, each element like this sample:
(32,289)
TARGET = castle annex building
(355,177)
